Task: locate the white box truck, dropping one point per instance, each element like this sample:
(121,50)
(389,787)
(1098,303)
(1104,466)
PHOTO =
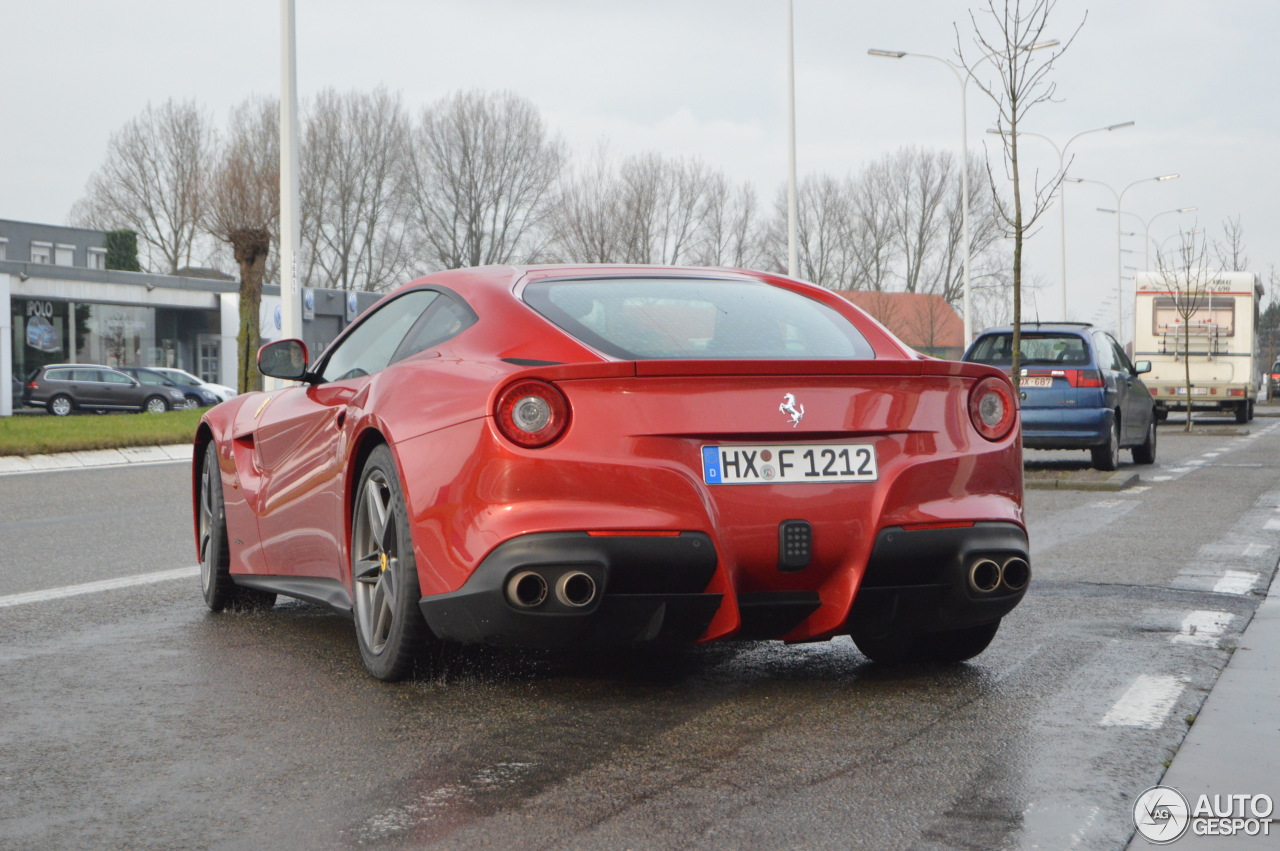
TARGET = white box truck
(1209,322)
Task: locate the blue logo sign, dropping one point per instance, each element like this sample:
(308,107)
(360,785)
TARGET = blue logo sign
(309,299)
(353,304)
(279,318)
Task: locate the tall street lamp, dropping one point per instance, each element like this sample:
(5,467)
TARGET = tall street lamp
(1119,196)
(1062,192)
(963,80)
(1146,225)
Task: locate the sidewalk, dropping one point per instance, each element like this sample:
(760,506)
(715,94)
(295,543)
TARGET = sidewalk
(95,458)
(1233,748)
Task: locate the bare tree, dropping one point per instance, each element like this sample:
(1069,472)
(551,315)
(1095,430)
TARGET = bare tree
(481,173)
(352,198)
(1010,36)
(243,210)
(825,230)
(1230,251)
(151,182)
(586,220)
(1186,276)
(732,229)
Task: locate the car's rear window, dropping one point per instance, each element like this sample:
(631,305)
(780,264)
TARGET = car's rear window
(997,349)
(696,318)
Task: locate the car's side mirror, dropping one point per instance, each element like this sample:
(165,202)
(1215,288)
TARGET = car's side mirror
(285,359)
(1141,367)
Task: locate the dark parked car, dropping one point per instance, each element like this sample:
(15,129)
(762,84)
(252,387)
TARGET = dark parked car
(193,396)
(1078,390)
(67,387)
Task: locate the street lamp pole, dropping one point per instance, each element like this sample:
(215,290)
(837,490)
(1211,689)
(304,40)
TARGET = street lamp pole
(963,80)
(1146,225)
(793,252)
(1119,196)
(1062,193)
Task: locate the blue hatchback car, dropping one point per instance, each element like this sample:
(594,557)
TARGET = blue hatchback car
(1078,390)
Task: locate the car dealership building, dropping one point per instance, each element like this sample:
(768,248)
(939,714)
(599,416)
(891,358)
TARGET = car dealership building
(60,304)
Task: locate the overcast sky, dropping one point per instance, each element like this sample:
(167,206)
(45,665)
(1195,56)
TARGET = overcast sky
(706,78)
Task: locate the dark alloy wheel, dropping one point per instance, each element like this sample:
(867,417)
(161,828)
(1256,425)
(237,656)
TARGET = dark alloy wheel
(60,405)
(1145,453)
(384,576)
(220,591)
(1107,456)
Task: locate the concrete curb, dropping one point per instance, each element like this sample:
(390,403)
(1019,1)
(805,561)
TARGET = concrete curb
(1116,482)
(11,464)
(1231,748)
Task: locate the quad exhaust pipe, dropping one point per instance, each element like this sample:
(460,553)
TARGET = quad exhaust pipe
(986,575)
(576,589)
(529,589)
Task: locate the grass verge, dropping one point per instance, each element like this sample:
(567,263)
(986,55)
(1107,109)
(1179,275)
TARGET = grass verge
(38,435)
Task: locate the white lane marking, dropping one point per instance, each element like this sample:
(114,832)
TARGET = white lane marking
(1137,490)
(1146,704)
(1272,525)
(1254,550)
(1203,628)
(1236,582)
(95,587)
(1162,478)
(1212,454)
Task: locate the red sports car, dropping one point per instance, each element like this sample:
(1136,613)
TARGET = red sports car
(573,455)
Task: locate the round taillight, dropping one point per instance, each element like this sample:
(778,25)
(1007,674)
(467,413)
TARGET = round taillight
(532,413)
(991,408)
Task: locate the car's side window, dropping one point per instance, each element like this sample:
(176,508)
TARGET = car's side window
(1105,353)
(114,377)
(369,346)
(1122,360)
(59,375)
(148,378)
(85,375)
(443,319)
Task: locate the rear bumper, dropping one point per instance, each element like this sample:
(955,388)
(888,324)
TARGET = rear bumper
(1065,428)
(647,589)
(918,581)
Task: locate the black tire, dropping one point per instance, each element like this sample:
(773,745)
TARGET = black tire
(1106,456)
(1242,412)
(220,591)
(193,401)
(390,628)
(1162,415)
(1145,453)
(60,405)
(1250,410)
(954,645)
(155,405)
(885,648)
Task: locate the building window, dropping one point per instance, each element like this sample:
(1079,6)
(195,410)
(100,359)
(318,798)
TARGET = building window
(65,255)
(41,252)
(97,258)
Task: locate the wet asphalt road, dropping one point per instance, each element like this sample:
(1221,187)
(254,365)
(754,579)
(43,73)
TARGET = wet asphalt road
(133,718)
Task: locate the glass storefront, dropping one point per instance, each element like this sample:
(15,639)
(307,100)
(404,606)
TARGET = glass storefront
(53,331)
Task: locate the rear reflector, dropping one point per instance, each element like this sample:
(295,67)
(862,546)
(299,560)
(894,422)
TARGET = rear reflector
(950,524)
(635,533)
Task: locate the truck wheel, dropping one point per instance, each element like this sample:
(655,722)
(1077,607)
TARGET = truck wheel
(1242,412)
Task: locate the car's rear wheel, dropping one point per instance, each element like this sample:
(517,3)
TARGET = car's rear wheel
(193,401)
(887,648)
(384,576)
(954,645)
(156,405)
(220,592)
(1145,453)
(60,405)
(1107,455)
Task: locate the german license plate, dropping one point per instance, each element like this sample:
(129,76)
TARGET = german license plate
(789,464)
(1037,381)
